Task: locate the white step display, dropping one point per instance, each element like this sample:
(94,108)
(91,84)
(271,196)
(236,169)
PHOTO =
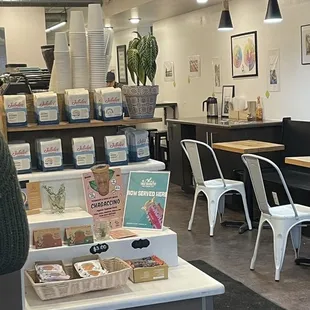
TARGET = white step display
(71,218)
(185,282)
(162,244)
(72,179)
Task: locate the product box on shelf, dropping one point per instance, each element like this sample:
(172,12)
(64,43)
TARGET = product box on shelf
(77,105)
(116,150)
(21,157)
(148,269)
(98,103)
(112,104)
(15,107)
(138,145)
(46,108)
(49,154)
(83,152)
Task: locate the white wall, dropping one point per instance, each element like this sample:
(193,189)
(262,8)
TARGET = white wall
(25,34)
(196,33)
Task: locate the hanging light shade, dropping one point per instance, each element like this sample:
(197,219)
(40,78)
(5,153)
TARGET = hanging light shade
(273,14)
(225,21)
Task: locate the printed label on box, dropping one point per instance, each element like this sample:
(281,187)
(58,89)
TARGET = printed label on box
(47,238)
(79,235)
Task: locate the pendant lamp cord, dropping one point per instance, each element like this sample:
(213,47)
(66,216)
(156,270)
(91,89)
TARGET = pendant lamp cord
(226,5)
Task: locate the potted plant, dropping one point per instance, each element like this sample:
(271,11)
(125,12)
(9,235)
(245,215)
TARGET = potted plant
(141,57)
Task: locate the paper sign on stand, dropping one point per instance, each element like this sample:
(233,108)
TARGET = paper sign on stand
(109,207)
(146,200)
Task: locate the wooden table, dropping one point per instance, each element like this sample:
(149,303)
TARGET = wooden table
(302,161)
(248,147)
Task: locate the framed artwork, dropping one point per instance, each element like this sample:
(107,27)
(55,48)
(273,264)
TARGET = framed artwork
(273,74)
(217,74)
(244,58)
(305,45)
(122,64)
(169,71)
(194,65)
(228,94)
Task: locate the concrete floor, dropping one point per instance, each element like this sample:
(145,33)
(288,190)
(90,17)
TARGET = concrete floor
(231,253)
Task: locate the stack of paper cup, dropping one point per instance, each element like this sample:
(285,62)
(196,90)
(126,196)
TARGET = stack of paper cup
(62,63)
(96,47)
(78,50)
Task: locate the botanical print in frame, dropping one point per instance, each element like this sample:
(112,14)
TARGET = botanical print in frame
(273,74)
(305,45)
(194,65)
(227,97)
(217,74)
(244,58)
(122,64)
(169,71)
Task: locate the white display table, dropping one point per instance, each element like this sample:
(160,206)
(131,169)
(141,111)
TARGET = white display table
(185,283)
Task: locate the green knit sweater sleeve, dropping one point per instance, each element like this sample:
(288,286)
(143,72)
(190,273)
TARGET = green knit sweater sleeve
(14,232)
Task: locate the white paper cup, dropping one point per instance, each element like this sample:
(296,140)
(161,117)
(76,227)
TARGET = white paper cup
(61,42)
(77,21)
(95,18)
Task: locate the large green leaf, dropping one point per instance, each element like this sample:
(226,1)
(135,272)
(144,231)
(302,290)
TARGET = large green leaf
(133,63)
(134,43)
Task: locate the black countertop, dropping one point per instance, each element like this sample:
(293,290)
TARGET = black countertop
(224,122)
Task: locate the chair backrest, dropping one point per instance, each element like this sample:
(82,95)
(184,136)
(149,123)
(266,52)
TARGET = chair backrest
(252,163)
(190,148)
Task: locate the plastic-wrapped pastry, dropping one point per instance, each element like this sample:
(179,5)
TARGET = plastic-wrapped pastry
(90,269)
(51,272)
(146,262)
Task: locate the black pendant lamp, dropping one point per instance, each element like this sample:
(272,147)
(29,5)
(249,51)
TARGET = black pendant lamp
(273,14)
(225,21)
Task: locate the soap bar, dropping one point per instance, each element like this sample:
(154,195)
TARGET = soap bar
(77,105)
(83,152)
(49,154)
(46,108)
(112,104)
(116,150)
(16,110)
(21,157)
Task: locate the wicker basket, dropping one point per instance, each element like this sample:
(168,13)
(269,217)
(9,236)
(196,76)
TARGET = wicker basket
(119,272)
(141,100)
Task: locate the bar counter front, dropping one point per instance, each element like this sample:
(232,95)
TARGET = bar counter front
(215,130)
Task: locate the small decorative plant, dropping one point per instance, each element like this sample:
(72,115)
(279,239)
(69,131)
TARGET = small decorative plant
(57,201)
(142,54)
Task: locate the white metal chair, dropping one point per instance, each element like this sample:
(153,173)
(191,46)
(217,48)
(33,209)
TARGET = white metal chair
(214,190)
(283,219)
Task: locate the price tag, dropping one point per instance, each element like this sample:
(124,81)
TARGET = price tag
(99,248)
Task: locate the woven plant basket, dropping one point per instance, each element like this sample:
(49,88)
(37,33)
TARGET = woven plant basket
(119,272)
(141,100)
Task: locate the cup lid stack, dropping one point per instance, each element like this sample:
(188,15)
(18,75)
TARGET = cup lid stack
(62,63)
(96,47)
(78,50)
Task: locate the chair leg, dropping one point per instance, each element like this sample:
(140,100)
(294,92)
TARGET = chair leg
(279,245)
(213,204)
(193,210)
(296,239)
(221,208)
(260,227)
(246,210)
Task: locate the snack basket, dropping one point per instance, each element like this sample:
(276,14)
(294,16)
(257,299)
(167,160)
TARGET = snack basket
(119,272)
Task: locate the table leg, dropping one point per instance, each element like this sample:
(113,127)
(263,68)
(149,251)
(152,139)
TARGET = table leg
(207,303)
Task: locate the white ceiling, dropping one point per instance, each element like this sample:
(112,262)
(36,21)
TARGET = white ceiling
(154,10)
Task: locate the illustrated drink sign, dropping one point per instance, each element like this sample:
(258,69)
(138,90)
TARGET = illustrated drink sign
(146,200)
(109,207)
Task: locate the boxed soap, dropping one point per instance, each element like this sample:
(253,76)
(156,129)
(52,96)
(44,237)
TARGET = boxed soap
(46,108)
(83,152)
(77,105)
(15,107)
(49,154)
(116,150)
(21,157)
(112,104)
